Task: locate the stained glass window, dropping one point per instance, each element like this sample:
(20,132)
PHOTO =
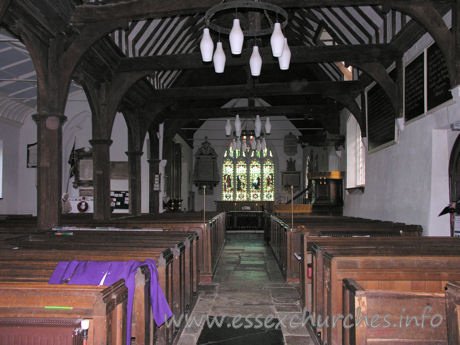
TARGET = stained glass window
(248,174)
(241,180)
(255,187)
(269,179)
(227,180)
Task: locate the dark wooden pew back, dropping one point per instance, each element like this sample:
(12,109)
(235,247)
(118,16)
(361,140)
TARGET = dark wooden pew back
(453,312)
(42,313)
(392,317)
(412,265)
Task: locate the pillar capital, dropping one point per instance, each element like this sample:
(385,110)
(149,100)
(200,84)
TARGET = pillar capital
(51,120)
(107,142)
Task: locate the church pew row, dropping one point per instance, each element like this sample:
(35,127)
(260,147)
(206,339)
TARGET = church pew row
(142,327)
(409,264)
(183,246)
(378,317)
(285,242)
(304,258)
(453,312)
(29,273)
(40,313)
(67,248)
(211,234)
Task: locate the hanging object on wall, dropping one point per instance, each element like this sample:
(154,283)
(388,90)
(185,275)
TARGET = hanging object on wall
(290,144)
(205,172)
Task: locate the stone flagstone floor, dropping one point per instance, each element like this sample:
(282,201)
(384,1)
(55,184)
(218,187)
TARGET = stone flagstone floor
(248,282)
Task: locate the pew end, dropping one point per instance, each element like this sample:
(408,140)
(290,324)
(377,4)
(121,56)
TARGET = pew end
(43,311)
(392,317)
(453,312)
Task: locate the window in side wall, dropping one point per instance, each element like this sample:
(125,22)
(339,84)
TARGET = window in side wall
(1,169)
(380,115)
(356,155)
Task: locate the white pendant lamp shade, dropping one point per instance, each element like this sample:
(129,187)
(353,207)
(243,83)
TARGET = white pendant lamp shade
(234,144)
(219,58)
(244,146)
(264,144)
(253,144)
(257,126)
(259,145)
(277,40)
(236,37)
(206,46)
(285,58)
(228,128)
(268,126)
(237,125)
(255,62)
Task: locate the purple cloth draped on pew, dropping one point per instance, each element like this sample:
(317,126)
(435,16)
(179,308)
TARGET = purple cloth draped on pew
(92,272)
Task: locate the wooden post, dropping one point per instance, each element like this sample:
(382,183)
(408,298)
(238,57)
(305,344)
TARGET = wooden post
(154,171)
(292,208)
(101,178)
(204,206)
(49,170)
(134,166)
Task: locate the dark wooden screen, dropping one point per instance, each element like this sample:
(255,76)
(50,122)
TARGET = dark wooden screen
(438,82)
(380,117)
(415,88)
(454,171)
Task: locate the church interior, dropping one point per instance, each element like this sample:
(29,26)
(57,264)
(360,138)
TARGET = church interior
(229,172)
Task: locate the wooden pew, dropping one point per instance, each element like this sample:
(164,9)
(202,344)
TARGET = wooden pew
(12,258)
(285,242)
(383,264)
(182,268)
(184,246)
(392,317)
(29,313)
(305,260)
(453,312)
(39,271)
(211,234)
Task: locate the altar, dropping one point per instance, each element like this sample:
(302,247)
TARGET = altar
(227,206)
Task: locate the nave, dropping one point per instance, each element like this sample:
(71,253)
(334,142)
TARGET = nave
(248,282)
(92,283)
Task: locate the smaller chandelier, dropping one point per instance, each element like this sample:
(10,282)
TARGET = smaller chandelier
(278,42)
(258,143)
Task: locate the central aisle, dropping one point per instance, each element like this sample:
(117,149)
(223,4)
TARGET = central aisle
(248,283)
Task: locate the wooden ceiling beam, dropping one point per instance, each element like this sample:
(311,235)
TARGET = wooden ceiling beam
(283,110)
(350,54)
(3,8)
(143,9)
(260,90)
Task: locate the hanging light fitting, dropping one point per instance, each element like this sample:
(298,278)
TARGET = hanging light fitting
(237,34)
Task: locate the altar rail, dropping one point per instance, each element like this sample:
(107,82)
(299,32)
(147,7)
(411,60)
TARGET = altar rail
(246,220)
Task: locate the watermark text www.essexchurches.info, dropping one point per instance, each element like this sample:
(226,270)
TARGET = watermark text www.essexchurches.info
(258,321)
